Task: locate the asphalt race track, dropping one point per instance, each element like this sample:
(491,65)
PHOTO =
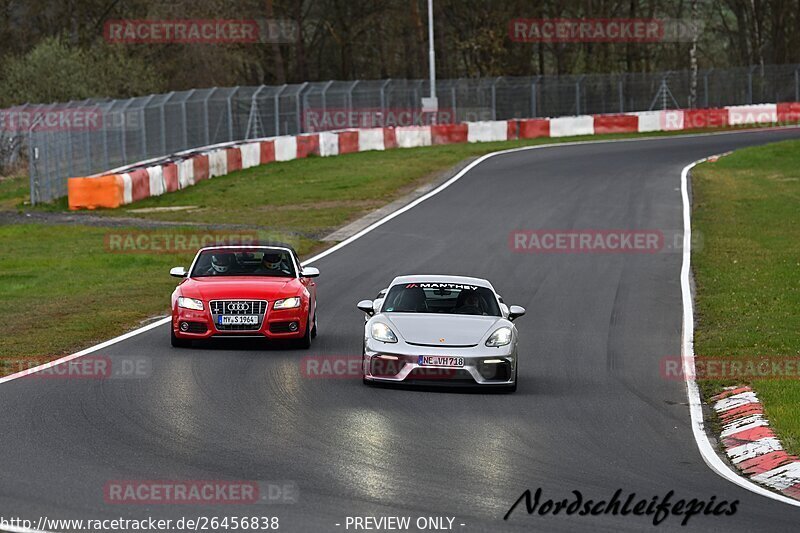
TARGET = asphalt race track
(592,413)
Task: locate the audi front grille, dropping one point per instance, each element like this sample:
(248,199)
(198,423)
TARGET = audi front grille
(238,307)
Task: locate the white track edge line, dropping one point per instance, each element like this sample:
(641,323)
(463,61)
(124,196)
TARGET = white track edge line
(714,462)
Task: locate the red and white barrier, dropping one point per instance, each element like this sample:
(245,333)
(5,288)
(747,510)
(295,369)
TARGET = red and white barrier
(570,126)
(251,154)
(672,120)
(185,173)
(154,177)
(648,121)
(752,114)
(217,163)
(328,144)
(370,139)
(487,131)
(413,136)
(285,148)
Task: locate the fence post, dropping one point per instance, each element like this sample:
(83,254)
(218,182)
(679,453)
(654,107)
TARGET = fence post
(705,86)
(620,85)
(750,85)
(797,84)
(253,119)
(124,130)
(383,97)
(163,118)
(230,113)
(578,95)
(534,90)
(32,158)
(278,110)
(454,109)
(183,118)
(300,125)
(105,137)
(205,116)
(144,126)
(350,95)
(325,98)
(494,99)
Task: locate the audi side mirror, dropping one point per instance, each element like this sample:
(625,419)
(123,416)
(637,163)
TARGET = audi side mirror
(177,272)
(309,272)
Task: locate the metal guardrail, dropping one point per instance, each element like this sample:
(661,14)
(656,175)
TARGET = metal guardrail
(86,137)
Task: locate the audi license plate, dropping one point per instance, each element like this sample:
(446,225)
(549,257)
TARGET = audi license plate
(440,360)
(237,320)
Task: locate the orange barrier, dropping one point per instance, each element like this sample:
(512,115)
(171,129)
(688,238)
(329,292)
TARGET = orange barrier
(533,128)
(91,193)
(615,124)
(307,145)
(234,157)
(705,118)
(200,163)
(267,152)
(170,173)
(789,112)
(448,133)
(348,141)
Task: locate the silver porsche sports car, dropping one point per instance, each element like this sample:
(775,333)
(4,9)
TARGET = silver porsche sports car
(434,330)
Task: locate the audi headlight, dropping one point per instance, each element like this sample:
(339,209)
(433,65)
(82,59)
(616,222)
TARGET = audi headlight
(500,337)
(382,332)
(287,303)
(190,303)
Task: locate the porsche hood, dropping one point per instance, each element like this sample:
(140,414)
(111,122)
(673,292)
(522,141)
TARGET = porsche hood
(442,330)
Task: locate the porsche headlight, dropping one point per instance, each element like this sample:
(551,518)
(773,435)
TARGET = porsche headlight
(382,332)
(287,303)
(190,303)
(500,337)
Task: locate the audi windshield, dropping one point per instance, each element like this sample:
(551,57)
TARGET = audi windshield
(259,262)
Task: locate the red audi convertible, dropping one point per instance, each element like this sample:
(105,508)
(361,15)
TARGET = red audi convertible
(245,291)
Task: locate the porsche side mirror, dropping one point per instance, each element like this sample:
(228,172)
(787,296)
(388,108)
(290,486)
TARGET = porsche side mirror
(366,306)
(178,272)
(309,272)
(515,311)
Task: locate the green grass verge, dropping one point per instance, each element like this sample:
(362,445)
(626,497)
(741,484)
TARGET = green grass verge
(747,208)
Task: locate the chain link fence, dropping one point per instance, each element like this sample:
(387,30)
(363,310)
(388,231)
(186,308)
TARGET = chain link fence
(92,136)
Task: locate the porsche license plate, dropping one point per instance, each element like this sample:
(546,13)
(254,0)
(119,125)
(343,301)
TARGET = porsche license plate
(440,360)
(237,320)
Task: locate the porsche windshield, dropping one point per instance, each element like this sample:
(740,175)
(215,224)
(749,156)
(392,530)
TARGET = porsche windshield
(448,298)
(257,262)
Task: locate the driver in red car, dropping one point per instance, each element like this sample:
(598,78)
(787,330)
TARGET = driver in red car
(220,264)
(274,264)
